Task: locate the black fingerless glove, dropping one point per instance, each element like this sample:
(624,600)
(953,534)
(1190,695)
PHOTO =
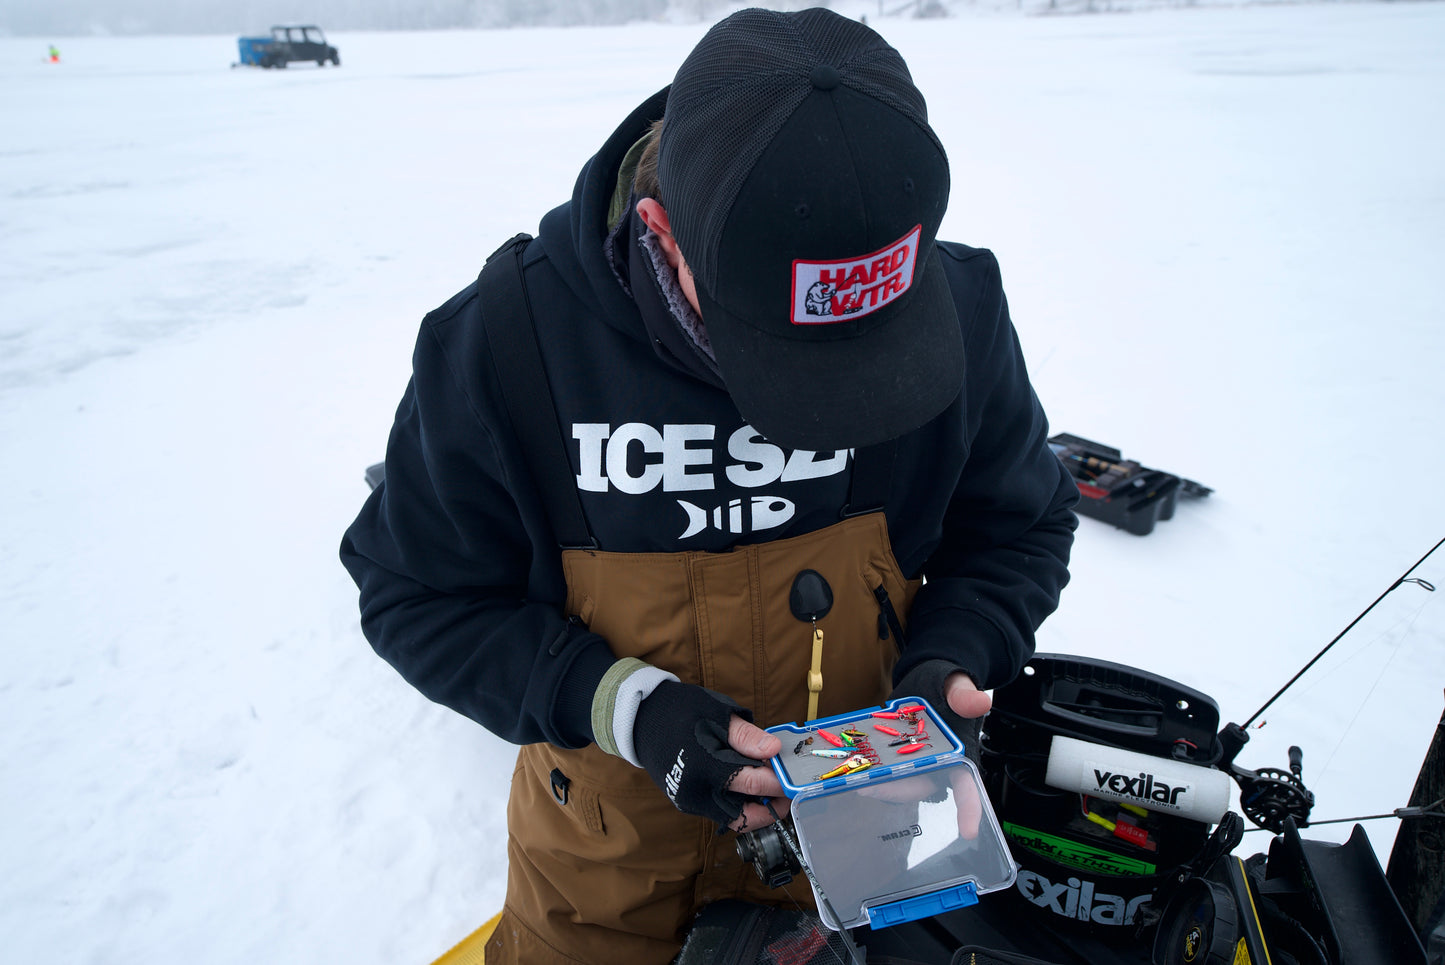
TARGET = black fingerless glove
(681,738)
(926,681)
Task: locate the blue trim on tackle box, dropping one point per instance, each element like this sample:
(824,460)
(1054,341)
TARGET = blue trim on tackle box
(789,733)
(924,906)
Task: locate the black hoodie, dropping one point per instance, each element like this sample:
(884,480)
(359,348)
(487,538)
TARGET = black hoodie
(460,577)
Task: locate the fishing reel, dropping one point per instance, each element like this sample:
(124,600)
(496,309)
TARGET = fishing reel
(767,850)
(1272,795)
(1268,795)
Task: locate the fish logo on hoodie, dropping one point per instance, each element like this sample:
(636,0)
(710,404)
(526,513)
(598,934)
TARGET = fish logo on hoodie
(739,515)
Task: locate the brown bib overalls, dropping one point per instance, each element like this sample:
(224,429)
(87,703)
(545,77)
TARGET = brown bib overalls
(614,873)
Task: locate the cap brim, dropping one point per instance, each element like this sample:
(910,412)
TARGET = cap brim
(845,393)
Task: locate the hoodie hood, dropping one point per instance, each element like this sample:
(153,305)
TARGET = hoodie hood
(604,260)
(576,234)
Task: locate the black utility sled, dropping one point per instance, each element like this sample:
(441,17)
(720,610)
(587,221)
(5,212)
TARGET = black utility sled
(1120,491)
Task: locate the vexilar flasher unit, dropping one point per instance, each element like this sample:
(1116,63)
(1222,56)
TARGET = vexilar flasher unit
(1103,780)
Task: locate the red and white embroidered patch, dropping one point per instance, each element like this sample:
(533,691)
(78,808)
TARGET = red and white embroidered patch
(826,292)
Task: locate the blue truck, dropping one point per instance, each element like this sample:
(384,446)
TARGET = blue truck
(287,44)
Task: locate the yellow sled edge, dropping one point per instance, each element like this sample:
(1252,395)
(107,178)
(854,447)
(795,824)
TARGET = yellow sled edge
(470,950)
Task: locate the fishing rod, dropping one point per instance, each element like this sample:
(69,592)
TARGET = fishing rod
(1404,578)
(1269,795)
(1435,809)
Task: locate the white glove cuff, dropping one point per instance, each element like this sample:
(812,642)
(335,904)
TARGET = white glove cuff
(614,708)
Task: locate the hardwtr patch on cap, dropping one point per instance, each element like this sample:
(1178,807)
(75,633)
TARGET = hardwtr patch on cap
(825,292)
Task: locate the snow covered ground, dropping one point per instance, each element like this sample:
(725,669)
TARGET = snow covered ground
(1221,230)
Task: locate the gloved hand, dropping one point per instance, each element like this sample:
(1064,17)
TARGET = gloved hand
(956,699)
(681,739)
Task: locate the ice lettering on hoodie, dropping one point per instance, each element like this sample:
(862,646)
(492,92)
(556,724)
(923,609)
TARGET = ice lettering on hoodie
(635,458)
(605,453)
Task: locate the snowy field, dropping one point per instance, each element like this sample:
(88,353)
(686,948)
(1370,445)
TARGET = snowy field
(1221,231)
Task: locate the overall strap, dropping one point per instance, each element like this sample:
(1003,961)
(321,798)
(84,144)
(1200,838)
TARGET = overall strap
(872,478)
(512,334)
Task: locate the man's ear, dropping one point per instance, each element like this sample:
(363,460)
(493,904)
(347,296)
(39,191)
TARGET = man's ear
(654,215)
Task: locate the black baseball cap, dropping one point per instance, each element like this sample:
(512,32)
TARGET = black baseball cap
(805,189)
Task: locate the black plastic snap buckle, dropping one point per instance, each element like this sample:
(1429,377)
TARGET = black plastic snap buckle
(560,786)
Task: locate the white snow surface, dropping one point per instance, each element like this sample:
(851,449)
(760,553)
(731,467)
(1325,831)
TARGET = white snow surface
(1221,231)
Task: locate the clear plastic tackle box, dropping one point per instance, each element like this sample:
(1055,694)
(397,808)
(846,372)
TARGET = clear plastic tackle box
(891,816)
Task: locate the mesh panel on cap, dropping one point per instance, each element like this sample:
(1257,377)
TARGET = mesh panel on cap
(737,89)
